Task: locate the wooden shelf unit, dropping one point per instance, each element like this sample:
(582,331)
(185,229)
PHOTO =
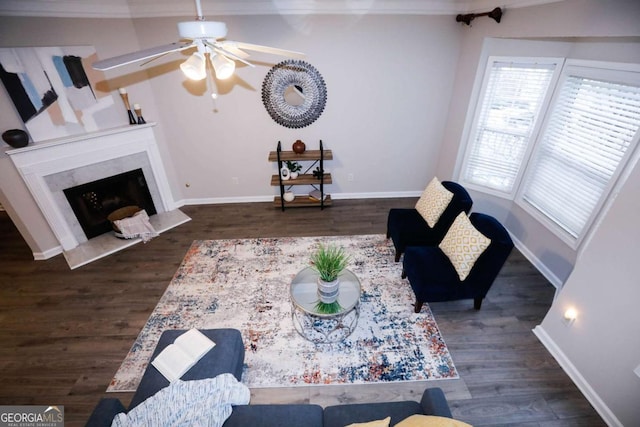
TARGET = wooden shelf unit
(317,157)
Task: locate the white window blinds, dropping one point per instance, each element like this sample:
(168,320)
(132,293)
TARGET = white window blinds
(589,129)
(510,102)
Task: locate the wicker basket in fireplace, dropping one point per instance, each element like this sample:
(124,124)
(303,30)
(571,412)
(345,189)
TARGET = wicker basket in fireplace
(122,213)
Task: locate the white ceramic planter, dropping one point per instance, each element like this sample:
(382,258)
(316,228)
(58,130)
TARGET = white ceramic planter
(285,173)
(328,291)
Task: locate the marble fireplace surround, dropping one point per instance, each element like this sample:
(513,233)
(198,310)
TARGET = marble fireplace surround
(48,167)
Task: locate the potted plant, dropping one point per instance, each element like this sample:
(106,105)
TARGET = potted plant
(329,261)
(294,168)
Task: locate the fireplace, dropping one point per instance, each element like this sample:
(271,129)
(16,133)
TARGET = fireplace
(94,201)
(130,153)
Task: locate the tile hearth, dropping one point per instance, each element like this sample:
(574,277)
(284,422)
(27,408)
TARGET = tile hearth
(108,243)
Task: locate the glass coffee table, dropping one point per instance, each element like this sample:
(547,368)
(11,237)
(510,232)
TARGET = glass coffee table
(322,328)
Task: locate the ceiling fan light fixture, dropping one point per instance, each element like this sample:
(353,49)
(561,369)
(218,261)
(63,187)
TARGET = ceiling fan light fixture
(223,66)
(194,67)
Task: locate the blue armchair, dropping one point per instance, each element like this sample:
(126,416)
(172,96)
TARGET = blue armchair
(433,277)
(406,227)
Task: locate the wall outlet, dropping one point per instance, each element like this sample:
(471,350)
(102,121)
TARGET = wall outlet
(350,177)
(637,370)
(235,180)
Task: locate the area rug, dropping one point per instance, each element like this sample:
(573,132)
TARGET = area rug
(244,284)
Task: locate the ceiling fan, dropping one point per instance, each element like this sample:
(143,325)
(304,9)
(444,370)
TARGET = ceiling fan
(208,38)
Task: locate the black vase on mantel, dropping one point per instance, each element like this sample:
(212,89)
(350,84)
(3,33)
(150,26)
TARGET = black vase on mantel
(17,138)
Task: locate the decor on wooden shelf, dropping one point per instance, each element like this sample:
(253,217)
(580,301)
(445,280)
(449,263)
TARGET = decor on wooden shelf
(285,173)
(318,172)
(294,167)
(317,196)
(288,196)
(329,261)
(17,138)
(298,147)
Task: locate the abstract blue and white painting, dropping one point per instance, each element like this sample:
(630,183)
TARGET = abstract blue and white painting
(55,91)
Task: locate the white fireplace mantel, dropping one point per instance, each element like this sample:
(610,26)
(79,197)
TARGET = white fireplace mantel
(39,163)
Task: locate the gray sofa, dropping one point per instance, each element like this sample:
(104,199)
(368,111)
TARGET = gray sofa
(433,402)
(228,357)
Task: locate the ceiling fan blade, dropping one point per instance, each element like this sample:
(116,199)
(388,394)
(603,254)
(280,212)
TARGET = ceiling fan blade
(218,49)
(266,49)
(231,47)
(128,58)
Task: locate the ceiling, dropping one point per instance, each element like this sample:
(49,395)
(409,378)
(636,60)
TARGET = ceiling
(157,8)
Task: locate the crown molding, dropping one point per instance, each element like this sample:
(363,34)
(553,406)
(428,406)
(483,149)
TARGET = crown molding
(163,8)
(66,8)
(140,8)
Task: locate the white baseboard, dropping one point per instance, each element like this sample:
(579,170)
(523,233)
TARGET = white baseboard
(539,265)
(334,196)
(577,378)
(381,195)
(49,253)
(225,200)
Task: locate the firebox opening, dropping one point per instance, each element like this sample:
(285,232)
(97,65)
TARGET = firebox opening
(94,201)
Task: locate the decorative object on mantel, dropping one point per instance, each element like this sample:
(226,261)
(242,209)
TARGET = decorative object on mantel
(294,93)
(17,138)
(299,147)
(496,14)
(138,110)
(125,98)
(208,38)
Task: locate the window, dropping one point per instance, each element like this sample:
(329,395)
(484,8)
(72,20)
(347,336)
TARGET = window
(592,123)
(562,157)
(513,93)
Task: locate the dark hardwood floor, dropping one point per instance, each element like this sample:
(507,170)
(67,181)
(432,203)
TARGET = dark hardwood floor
(64,333)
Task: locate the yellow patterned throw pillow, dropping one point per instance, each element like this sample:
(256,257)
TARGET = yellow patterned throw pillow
(463,244)
(431,421)
(378,423)
(434,200)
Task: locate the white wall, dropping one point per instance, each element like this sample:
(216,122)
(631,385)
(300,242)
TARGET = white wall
(389,80)
(602,348)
